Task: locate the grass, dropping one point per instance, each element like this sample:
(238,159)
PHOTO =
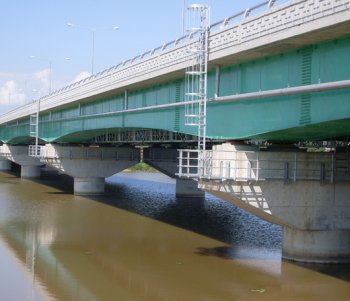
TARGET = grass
(142,167)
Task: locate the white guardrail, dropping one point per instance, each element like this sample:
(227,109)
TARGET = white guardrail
(235,30)
(257,166)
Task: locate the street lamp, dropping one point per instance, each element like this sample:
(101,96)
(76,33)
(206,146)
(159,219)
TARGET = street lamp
(92,30)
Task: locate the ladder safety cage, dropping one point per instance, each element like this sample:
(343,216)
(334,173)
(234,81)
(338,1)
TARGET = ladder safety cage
(34,150)
(198,25)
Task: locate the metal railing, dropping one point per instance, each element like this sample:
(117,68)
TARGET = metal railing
(36,151)
(256,166)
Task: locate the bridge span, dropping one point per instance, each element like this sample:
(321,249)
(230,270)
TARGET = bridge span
(276,121)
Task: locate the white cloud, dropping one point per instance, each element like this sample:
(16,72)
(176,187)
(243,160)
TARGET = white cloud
(17,89)
(6,75)
(81,76)
(11,94)
(44,77)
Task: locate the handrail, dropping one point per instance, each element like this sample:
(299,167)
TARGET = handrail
(256,166)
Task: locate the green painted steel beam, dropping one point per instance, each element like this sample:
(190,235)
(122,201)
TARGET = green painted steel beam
(319,115)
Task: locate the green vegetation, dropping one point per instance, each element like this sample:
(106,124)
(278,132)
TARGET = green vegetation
(142,167)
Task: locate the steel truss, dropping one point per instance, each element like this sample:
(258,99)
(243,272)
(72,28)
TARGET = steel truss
(143,136)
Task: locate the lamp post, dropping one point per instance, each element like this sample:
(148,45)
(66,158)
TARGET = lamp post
(92,30)
(183,16)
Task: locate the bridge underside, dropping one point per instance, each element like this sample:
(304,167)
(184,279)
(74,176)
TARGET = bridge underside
(321,131)
(330,130)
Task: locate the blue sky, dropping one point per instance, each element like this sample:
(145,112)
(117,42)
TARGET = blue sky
(34,33)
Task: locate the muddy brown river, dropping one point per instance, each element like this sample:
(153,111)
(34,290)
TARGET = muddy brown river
(138,242)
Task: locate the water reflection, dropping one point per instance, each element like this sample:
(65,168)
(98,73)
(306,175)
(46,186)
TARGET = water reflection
(140,243)
(212,217)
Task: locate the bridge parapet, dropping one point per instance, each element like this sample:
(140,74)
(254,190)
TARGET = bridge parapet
(278,19)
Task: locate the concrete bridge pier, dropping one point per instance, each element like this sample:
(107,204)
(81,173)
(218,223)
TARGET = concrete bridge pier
(5,164)
(89,166)
(315,218)
(30,171)
(30,166)
(89,185)
(165,160)
(188,188)
(331,246)
(308,194)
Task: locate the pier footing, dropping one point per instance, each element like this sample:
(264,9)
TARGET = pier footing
(89,185)
(316,246)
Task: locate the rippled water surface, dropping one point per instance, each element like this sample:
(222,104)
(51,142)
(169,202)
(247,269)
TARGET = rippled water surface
(138,242)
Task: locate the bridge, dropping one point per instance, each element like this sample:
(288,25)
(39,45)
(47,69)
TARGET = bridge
(269,133)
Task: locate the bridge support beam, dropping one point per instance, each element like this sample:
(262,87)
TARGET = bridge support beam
(188,188)
(30,166)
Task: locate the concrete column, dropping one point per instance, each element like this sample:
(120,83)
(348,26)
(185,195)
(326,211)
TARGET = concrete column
(89,185)
(187,188)
(30,171)
(324,246)
(5,164)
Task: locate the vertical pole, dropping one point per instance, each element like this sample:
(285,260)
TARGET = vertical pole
(217,81)
(126,100)
(183,17)
(50,77)
(37,129)
(332,169)
(257,167)
(180,162)
(295,167)
(93,52)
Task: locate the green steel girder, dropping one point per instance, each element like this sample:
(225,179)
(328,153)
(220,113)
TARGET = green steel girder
(320,115)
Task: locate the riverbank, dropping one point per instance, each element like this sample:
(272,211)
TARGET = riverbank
(141,167)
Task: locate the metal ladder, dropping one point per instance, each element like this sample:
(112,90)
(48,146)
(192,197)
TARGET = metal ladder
(34,150)
(196,75)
